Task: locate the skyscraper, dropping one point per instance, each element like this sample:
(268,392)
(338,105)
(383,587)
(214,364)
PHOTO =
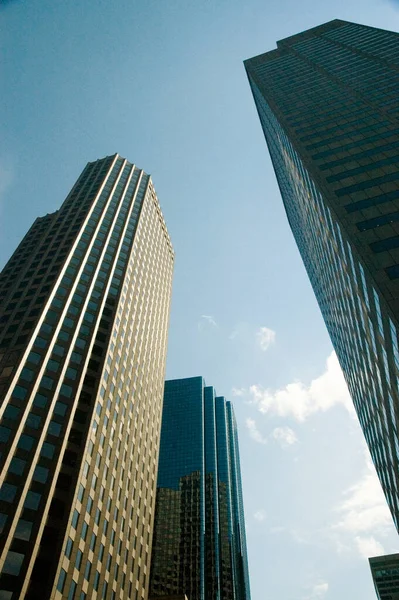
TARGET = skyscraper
(199,544)
(84,318)
(385,572)
(328,102)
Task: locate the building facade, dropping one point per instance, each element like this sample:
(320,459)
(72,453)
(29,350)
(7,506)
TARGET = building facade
(385,572)
(83,332)
(199,544)
(328,102)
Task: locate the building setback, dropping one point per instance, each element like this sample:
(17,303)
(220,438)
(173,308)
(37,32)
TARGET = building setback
(199,544)
(84,310)
(328,102)
(385,572)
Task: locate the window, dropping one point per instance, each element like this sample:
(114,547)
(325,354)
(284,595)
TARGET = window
(61,581)
(11,412)
(87,570)
(40,474)
(59,350)
(33,421)
(32,500)
(47,450)
(4,434)
(101,552)
(54,428)
(96,580)
(27,374)
(75,519)
(85,527)
(13,563)
(19,392)
(40,401)
(34,357)
(76,357)
(8,492)
(66,390)
(53,365)
(40,342)
(78,561)
(81,492)
(17,466)
(26,442)
(71,373)
(23,530)
(93,541)
(47,383)
(68,548)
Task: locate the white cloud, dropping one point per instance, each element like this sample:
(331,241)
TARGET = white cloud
(369,546)
(299,401)
(206,321)
(265,337)
(238,391)
(319,590)
(364,508)
(254,431)
(260,515)
(363,516)
(285,436)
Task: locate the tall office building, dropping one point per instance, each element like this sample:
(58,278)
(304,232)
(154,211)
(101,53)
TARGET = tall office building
(84,320)
(385,572)
(328,102)
(199,544)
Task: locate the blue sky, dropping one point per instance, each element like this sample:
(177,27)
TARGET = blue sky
(162,83)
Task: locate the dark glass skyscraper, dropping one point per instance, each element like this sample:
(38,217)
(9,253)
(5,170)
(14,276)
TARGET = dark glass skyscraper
(84,318)
(385,572)
(328,102)
(199,544)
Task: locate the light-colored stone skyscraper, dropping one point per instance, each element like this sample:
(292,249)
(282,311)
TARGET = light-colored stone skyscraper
(84,310)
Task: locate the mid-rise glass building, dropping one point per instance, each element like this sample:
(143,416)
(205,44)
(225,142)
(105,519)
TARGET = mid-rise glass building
(328,102)
(199,544)
(84,310)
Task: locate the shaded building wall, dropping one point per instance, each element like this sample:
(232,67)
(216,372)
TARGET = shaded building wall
(328,103)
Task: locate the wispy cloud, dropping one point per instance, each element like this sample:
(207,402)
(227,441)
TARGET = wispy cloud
(238,391)
(265,337)
(363,516)
(285,436)
(299,401)
(260,515)
(364,508)
(369,546)
(206,321)
(319,590)
(254,431)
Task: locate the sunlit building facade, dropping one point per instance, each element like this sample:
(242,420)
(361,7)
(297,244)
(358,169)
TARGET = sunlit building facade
(328,102)
(199,544)
(84,318)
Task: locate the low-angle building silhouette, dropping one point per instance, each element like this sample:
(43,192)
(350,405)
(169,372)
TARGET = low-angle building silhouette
(84,320)
(328,102)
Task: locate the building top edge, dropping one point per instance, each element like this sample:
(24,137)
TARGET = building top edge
(384,558)
(288,41)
